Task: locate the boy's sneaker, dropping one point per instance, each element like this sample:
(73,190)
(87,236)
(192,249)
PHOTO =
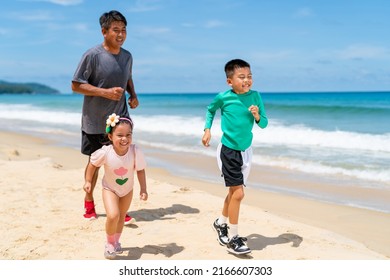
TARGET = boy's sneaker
(129,220)
(238,246)
(118,248)
(90,213)
(222,231)
(109,251)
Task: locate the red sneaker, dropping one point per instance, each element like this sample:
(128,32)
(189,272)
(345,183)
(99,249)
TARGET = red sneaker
(129,220)
(90,213)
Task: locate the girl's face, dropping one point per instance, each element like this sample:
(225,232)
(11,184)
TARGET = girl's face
(241,81)
(121,138)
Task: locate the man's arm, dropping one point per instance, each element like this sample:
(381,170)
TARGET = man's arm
(113,93)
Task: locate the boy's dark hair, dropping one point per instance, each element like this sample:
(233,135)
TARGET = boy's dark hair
(107,18)
(233,64)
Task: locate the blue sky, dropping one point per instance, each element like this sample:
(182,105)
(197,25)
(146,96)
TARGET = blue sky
(182,45)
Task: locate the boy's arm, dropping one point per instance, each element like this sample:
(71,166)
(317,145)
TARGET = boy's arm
(206,137)
(263,121)
(141,175)
(211,110)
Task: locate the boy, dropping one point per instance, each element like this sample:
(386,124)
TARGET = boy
(240,108)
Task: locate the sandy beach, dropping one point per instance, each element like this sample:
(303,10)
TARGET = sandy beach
(42,204)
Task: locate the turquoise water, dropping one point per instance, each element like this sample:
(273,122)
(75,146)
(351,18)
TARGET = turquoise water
(342,135)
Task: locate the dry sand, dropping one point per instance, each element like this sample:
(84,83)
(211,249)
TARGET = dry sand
(41,206)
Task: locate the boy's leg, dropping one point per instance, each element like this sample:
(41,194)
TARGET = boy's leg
(235,167)
(236,243)
(236,195)
(220,224)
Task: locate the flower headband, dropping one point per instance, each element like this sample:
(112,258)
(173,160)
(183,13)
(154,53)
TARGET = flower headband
(113,119)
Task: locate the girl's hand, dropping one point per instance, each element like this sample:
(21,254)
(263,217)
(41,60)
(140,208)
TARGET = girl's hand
(143,196)
(87,187)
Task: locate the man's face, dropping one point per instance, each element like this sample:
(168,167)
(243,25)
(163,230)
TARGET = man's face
(115,36)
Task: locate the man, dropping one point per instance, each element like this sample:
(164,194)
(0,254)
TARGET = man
(103,75)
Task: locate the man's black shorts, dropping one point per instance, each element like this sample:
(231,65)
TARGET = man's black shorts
(91,142)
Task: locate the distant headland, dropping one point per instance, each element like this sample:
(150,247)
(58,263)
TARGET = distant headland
(7,87)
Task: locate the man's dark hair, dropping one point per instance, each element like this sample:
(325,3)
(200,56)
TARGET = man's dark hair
(107,18)
(233,64)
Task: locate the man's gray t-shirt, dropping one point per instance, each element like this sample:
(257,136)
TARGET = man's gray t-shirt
(103,69)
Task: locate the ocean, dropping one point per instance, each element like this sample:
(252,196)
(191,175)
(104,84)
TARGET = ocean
(343,136)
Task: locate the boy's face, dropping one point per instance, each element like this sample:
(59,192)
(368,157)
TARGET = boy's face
(241,80)
(115,36)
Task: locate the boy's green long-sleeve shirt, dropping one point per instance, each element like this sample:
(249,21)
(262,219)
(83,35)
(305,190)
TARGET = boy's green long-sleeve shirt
(236,119)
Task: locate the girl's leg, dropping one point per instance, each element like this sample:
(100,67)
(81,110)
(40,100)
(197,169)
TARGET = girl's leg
(111,205)
(124,205)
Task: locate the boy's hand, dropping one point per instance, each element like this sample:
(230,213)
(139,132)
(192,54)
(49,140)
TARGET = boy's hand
(255,112)
(206,137)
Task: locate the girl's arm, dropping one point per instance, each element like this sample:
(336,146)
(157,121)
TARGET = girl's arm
(88,177)
(141,174)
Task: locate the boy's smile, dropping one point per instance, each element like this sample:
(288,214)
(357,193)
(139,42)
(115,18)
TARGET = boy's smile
(241,81)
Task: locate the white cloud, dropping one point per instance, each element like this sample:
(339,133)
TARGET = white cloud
(34,16)
(3,31)
(59,2)
(303,13)
(145,6)
(152,31)
(81,27)
(363,52)
(214,24)
(273,56)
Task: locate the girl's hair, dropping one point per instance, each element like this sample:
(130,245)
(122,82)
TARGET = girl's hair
(233,64)
(107,140)
(123,120)
(107,18)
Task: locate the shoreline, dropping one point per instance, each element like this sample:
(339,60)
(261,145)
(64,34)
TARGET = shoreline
(301,224)
(338,191)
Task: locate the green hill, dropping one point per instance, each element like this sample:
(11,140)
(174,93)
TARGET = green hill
(6,87)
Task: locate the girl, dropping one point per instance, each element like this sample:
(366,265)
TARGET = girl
(120,160)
